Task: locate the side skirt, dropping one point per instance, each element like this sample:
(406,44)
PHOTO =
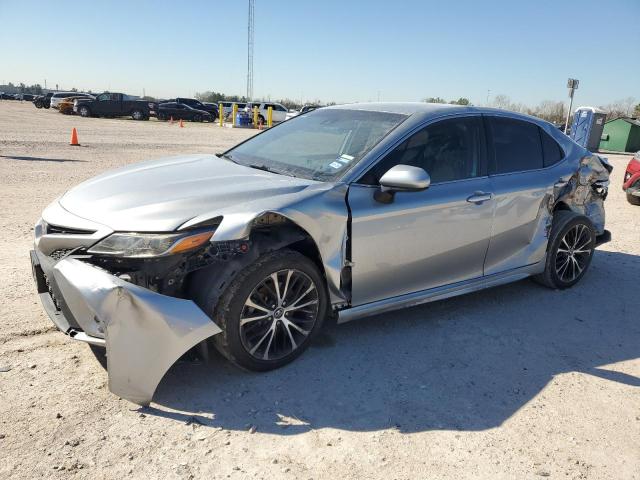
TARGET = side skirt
(438,293)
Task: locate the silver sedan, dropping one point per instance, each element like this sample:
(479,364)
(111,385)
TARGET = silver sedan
(343,212)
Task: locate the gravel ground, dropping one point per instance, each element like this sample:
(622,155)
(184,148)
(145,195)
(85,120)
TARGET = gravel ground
(514,382)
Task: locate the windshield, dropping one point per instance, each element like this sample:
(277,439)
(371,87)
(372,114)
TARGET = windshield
(320,145)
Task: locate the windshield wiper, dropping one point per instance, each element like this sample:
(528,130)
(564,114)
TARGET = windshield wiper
(263,168)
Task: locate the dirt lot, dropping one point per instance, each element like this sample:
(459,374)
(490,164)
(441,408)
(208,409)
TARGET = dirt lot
(515,382)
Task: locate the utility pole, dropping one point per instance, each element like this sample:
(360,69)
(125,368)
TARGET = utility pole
(488,95)
(250,51)
(572,85)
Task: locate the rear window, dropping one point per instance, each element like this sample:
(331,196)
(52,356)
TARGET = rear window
(552,152)
(516,145)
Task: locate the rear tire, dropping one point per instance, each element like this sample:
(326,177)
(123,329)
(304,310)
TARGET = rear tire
(84,111)
(271,333)
(632,199)
(137,115)
(570,249)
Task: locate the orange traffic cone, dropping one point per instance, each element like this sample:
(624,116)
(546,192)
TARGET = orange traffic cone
(181,124)
(171,120)
(74,138)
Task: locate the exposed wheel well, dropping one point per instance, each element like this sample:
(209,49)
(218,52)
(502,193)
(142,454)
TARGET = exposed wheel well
(280,227)
(561,206)
(270,232)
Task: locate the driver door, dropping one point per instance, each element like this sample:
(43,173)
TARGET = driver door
(428,238)
(100,107)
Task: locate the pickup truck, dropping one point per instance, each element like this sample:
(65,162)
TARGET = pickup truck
(115,105)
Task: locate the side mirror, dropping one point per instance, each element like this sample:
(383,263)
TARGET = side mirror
(405,178)
(401,178)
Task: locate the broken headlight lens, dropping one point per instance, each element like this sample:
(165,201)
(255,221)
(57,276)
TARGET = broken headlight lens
(142,245)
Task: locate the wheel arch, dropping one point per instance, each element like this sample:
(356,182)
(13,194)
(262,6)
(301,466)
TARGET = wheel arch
(266,232)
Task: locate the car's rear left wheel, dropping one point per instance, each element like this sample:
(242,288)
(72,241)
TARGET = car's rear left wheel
(571,247)
(270,311)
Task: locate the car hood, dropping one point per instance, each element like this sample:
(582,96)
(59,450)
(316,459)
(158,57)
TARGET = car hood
(163,194)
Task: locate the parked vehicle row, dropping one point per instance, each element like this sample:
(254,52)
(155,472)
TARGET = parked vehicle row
(109,104)
(17,96)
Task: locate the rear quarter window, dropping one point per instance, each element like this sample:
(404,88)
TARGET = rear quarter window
(552,152)
(517,146)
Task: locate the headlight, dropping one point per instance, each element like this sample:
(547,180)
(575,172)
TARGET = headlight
(143,245)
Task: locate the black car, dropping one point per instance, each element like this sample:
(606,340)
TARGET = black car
(43,101)
(7,96)
(180,111)
(198,105)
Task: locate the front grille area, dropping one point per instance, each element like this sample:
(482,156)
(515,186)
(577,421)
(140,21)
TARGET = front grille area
(54,229)
(60,253)
(56,303)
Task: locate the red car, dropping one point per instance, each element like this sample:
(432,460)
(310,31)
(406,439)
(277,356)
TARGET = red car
(631,183)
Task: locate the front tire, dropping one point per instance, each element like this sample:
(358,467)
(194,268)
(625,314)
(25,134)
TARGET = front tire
(270,312)
(572,243)
(137,115)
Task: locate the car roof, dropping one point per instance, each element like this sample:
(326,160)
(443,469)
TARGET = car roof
(425,110)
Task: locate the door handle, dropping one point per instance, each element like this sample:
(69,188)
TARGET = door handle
(479,197)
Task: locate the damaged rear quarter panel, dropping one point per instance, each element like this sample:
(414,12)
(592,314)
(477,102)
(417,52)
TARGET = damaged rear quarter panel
(586,190)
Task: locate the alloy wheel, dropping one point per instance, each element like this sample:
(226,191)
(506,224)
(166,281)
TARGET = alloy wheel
(279,314)
(573,253)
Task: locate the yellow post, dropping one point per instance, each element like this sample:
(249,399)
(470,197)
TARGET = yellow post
(221,114)
(234,113)
(255,116)
(270,117)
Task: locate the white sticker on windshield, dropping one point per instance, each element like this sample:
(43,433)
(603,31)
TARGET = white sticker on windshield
(346,157)
(335,165)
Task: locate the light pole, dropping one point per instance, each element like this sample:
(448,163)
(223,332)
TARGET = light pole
(572,85)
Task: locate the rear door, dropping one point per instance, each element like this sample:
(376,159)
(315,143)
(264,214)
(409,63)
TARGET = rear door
(428,238)
(524,165)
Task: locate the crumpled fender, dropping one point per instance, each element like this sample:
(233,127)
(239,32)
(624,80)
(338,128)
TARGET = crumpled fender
(145,332)
(320,210)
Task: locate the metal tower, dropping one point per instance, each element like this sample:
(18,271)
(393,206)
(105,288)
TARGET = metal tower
(250,52)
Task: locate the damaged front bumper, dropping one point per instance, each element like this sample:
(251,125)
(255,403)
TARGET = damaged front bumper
(144,332)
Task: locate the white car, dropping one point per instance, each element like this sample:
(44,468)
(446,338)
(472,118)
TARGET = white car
(228,106)
(57,97)
(279,111)
(304,109)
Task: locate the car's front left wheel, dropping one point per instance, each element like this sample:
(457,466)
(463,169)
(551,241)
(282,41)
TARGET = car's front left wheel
(270,311)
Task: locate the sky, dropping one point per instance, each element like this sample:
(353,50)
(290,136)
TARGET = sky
(329,50)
